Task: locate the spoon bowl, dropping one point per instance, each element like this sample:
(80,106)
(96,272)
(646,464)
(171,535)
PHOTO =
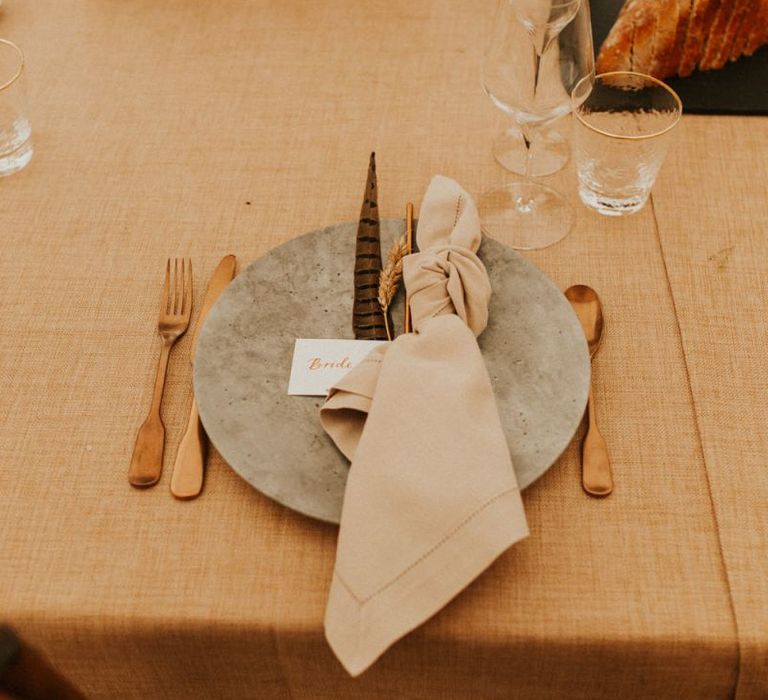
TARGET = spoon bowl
(586,304)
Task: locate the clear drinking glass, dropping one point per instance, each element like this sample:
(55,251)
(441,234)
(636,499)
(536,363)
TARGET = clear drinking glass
(539,50)
(624,123)
(15,129)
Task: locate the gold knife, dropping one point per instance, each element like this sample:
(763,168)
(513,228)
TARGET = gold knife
(187,479)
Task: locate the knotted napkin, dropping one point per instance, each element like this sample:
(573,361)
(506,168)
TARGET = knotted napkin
(432,497)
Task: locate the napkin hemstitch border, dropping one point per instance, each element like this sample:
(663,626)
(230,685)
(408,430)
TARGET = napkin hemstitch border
(361,601)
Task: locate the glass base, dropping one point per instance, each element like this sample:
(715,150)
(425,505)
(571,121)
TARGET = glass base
(549,151)
(13,162)
(526,215)
(612,205)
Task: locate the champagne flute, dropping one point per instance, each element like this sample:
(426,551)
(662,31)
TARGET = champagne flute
(539,50)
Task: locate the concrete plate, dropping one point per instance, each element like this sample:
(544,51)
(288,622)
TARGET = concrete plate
(533,347)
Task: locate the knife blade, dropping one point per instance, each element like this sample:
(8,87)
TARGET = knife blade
(220,279)
(189,467)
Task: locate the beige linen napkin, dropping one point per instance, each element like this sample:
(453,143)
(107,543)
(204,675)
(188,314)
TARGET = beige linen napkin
(432,497)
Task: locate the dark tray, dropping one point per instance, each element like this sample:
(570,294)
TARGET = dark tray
(739,88)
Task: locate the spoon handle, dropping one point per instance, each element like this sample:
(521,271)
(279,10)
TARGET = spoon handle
(596,476)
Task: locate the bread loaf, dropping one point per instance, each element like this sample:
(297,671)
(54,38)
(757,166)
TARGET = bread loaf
(665,55)
(675,37)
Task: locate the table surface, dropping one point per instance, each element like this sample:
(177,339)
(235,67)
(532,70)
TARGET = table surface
(204,128)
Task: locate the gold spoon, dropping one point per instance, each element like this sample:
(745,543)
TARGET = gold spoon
(596,477)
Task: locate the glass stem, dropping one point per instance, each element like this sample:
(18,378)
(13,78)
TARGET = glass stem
(525,129)
(526,205)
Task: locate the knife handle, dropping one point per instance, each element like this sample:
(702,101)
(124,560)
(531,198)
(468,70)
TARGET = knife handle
(188,469)
(596,476)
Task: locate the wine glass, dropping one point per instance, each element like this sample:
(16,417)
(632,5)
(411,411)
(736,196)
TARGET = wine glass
(538,52)
(549,151)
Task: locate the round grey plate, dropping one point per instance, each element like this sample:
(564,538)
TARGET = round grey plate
(534,349)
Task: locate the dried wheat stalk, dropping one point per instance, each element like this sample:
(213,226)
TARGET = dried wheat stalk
(390,277)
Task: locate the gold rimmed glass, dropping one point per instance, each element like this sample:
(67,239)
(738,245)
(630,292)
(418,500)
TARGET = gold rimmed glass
(623,127)
(15,129)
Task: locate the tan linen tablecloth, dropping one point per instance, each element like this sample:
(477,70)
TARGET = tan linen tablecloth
(207,128)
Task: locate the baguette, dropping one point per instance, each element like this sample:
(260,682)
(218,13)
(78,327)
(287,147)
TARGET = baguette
(645,18)
(675,37)
(702,15)
(716,36)
(758,35)
(733,32)
(665,58)
(616,52)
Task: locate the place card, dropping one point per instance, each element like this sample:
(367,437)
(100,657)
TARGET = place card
(318,363)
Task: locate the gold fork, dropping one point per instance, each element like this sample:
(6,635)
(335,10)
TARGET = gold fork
(175,310)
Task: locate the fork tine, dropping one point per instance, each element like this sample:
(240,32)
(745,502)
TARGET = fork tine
(177,282)
(166,287)
(182,284)
(187,306)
